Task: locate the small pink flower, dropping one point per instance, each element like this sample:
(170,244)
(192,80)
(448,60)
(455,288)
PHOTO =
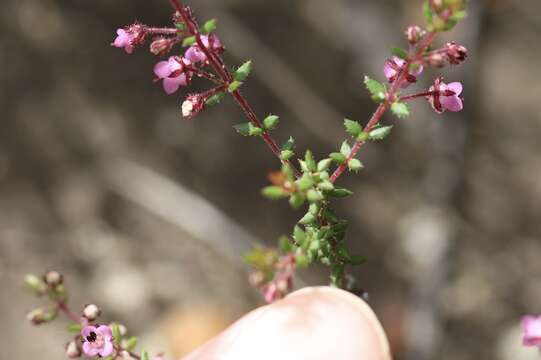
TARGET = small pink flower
(97,341)
(445,96)
(394,65)
(172,73)
(196,55)
(531,326)
(124,40)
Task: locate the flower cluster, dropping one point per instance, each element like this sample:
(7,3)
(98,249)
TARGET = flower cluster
(90,338)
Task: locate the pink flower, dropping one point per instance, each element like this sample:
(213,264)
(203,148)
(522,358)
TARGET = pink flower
(193,105)
(456,53)
(445,96)
(97,341)
(531,326)
(394,65)
(172,73)
(196,55)
(124,40)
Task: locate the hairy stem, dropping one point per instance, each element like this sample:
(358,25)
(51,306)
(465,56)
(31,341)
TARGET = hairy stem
(62,306)
(219,67)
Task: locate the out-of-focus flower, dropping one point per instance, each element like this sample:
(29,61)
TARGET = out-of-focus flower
(445,96)
(53,278)
(414,34)
(395,65)
(91,312)
(531,327)
(196,55)
(73,350)
(172,73)
(97,341)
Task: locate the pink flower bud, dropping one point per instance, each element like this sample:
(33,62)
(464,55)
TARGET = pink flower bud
(193,105)
(161,46)
(436,60)
(456,53)
(414,34)
(91,312)
(73,350)
(53,278)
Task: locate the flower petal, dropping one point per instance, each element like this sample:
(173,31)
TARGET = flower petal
(89,350)
(451,103)
(195,55)
(107,349)
(162,69)
(106,332)
(85,332)
(171,85)
(456,87)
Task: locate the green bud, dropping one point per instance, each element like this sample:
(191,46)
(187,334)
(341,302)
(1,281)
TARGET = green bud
(271,122)
(209,26)
(274,192)
(324,165)
(310,162)
(314,195)
(144,355)
(308,218)
(243,71)
(305,182)
(35,284)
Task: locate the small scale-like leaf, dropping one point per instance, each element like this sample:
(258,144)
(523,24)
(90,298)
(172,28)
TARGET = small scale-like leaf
(74,328)
(400,109)
(305,182)
(209,26)
(299,235)
(353,127)
(115,329)
(297,200)
(274,192)
(271,122)
(345,149)
(314,195)
(234,86)
(355,165)
(376,89)
(380,133)
(131,343)
(188,41)
(310,162)
(248,129)
(285,244)
(401,53)
(428,12)
(337,157)
(144,355)
(286,154)
(289,145)
(243,71)
(340,193)
(215,99)
(308,218)
(324,165)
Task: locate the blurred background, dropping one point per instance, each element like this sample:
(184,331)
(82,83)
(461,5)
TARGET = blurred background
(146,213)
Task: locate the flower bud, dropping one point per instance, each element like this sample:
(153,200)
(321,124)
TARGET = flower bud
(138,32)
(256,278)
(91,312)
(53,278)
(436,60)
(40,316)
(161,46)
(456,53)
(414,34)
(192,105)
(73,350)
(35,284)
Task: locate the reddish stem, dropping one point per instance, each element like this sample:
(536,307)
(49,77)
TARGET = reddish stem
(218,65)
(62,306)
(376,117)
(161,31)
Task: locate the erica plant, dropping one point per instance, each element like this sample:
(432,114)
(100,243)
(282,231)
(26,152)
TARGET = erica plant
(188,50)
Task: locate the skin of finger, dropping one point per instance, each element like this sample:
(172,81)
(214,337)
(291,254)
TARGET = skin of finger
(318,323)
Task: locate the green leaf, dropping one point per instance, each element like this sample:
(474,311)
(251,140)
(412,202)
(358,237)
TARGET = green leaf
(115,329)
(329,215)
(180,26)
(286,154)
(144,355)
(243,71)
(248,129)
(285,244)
(355,165)
(363,136)
(337,157)
(289,145)
(376,89)
(234,86)
(401,110)
(274,192)
(74,328)
(337,275)
(380,133)
(131,343)
(301,260)
(310,162)
(401,53)
(340,193)
(271,122)
(325,185)
(209,26)
(324,165)
(345,149)
(215,99)
(314,195)
(353,127)
(308,218)
(299,235)
(305,182)
(428,13)
(188,41)
(297,200)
